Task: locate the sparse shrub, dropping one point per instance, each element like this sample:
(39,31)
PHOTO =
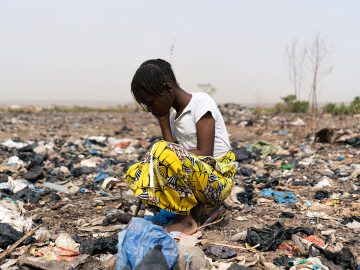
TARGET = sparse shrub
(355,105)
(353,108)
(292,105)
(300,106)
(329,108)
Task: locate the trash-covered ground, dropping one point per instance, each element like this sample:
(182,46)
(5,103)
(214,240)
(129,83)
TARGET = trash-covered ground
(295,205)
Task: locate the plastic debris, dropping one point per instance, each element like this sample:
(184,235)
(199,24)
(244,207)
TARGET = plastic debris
(100,245)
(100,177)
(65,249)
(270,238)
(14,160)
(264,147)
(12,214)
(8,235)
(154,259)
(11,144)
(279,196)
(321,194)
(139,238)
(220,252)
(310,263)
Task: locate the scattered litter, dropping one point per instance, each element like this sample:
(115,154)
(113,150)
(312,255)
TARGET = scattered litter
(139,238)
(66,173)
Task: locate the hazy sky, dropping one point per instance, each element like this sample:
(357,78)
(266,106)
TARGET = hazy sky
(89,50)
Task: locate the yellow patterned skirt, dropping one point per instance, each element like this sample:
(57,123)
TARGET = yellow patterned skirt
(176,180)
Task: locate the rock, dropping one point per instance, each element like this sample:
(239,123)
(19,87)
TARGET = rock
(34,174)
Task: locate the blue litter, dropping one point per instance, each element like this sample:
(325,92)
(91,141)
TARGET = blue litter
(87,143)
(163,217)
(105,165)
(308,203)
(100,177)
(84,190)
(279,196)
(136,240)
(94,152)
(39,190)
(104,194)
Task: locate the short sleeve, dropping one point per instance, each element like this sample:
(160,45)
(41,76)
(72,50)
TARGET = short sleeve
(203,104)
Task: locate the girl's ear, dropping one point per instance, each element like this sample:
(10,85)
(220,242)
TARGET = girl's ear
(169,87)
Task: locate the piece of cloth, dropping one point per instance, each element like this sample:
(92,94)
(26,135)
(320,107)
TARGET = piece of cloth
(176,180)
(141,236)
(163,218)
(184,127)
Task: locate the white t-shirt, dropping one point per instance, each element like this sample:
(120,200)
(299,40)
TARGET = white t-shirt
(184,127)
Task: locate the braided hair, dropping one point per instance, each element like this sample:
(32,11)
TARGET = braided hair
(150,80)
(165,67)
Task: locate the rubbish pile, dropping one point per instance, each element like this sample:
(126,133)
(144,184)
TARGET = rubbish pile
(64,203)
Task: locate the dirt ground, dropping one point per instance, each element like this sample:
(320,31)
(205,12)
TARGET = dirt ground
(68,212)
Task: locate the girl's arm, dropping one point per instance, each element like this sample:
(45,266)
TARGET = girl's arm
(164,123)
(205,130)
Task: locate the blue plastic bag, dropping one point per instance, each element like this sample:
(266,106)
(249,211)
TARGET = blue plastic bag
(279,196)
(100,177)
(138,238)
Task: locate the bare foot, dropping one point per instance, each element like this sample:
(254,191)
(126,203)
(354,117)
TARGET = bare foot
(184,224)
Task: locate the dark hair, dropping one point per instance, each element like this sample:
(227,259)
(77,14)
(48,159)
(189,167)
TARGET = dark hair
(165,67)
(150,79)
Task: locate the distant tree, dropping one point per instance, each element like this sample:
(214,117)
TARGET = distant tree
(318,55)
(295,59)
(207,88)
(289,99)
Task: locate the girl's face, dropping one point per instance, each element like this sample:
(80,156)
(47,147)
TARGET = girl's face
(159,105)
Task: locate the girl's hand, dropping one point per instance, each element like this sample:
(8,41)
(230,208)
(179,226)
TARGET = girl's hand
(160,107)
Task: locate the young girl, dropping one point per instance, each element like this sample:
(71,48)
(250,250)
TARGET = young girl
(193,163)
